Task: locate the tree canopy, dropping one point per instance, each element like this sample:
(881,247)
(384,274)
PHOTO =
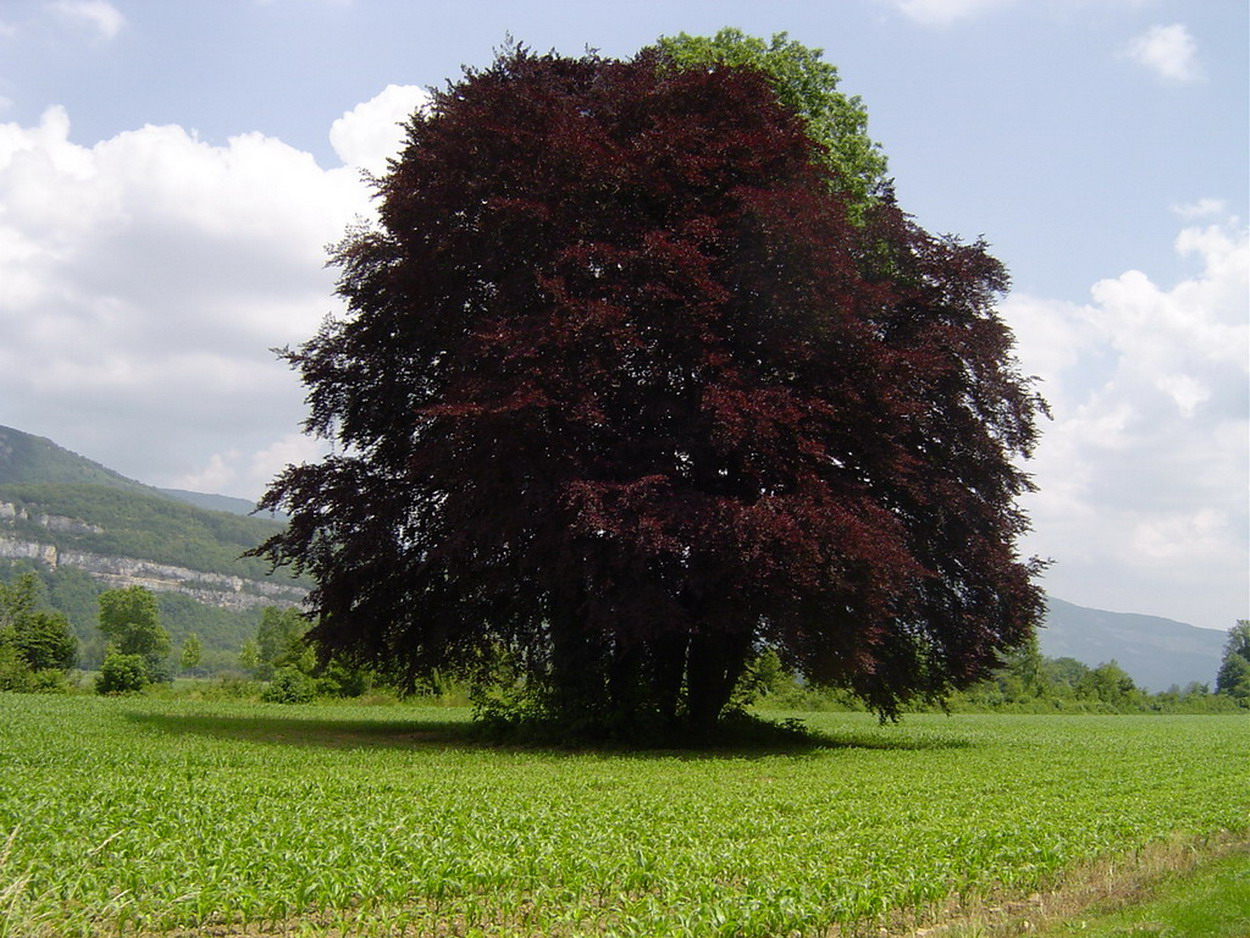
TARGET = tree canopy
(808,86)
(626,393)
(192,652)
(280,640)
(1233,678)
(130,619)
(32,640)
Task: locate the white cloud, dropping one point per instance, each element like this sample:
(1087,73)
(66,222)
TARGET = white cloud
(371,133)
(220,475)
(291,449)
(1170,51)
(234,471)
(944,12)
(1203,208)
(329,3)
(97,15)
(1144,471)
(146,279)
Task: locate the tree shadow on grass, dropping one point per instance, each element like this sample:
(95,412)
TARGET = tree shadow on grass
(746,738)
(328,733)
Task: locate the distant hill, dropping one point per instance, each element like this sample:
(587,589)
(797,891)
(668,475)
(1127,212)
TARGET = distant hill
(77,518)
(235,506)
(1156,652)
(36,459)
(28,458)
(84,528)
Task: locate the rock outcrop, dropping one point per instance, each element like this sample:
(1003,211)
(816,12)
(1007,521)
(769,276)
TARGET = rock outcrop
(214,589)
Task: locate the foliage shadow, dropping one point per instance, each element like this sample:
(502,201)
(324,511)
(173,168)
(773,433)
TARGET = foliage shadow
(745,738)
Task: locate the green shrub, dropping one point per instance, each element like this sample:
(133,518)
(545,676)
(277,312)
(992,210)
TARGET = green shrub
(340,680)
(15,674)
(122,674)
(289,685)
(51,681)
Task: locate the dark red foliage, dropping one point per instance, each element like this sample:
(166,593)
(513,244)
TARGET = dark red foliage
(625,395)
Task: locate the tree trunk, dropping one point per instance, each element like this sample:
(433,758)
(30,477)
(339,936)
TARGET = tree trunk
(668,664)
(626,693)
(576,676)
(713,665)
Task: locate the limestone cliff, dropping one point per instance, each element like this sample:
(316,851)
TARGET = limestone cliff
(214,589)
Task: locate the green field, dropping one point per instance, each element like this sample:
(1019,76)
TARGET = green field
(141,815)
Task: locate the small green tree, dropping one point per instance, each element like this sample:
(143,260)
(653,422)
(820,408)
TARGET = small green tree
(131,621)
(15,674)
(192,653)
(1233,678)
(17,600)
(32,641)
(1022,676)
(763,675)
(249,655)
(280,641)
(47,642)
(122,674)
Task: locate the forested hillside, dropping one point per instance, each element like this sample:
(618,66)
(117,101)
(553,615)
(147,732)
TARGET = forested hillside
(28,458)
(75,593)
(120,522)
(82,528)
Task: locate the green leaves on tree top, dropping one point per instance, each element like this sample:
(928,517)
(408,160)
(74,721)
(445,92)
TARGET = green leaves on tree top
(806,84)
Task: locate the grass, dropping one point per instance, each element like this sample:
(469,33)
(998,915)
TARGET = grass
(1212,901)
(162,816)
(1117,897)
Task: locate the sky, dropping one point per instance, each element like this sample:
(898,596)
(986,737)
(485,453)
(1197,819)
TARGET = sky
(171,174)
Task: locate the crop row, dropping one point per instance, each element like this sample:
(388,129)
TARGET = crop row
(155,815)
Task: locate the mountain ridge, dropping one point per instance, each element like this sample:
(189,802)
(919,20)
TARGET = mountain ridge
(25,457)
(1157,652)
(227,503)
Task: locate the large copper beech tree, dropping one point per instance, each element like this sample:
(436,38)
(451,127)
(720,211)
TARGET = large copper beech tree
(624,396)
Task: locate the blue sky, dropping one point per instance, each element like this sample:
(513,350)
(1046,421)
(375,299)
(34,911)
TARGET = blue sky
(170,173)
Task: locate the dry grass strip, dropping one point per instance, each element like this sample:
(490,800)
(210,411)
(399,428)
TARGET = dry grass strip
(1106,885)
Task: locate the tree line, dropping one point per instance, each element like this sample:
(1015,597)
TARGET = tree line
(75,593)
(38,650)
